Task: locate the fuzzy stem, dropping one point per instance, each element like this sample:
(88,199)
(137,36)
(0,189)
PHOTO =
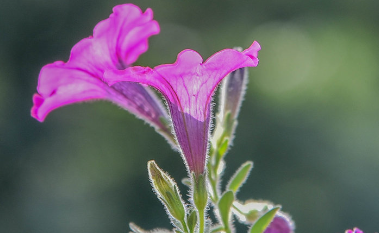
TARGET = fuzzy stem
(201,220)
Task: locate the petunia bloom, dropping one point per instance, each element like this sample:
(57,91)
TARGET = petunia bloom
(280,224)
(355,230)
(116,43)
(188,85)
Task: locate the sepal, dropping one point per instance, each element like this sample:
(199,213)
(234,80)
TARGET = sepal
(199,191)
(200,200)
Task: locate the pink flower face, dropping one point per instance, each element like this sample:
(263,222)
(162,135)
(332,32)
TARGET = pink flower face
(188,85)
(117,42)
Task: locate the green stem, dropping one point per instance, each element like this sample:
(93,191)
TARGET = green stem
(184,224)
(201,221)
(238,210)
(212,179)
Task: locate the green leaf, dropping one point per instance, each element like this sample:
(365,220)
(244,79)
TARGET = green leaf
(239,177)
(264,221)
(224,205)
(223,147)
(192,220)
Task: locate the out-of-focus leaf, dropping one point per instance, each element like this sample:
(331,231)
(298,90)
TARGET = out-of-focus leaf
(239,177)
(264,221)
(192,220)
(224,205)
(223,147)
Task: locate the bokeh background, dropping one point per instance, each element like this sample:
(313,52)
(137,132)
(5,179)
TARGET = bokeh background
(310,119)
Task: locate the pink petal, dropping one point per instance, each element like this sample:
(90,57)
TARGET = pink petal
(188,82)
(117,42)
(188,85)
(280,224)
(61,85)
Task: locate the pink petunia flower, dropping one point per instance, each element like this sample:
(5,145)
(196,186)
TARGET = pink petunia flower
(116,43)
(188,85)
(355,230)
(280,224)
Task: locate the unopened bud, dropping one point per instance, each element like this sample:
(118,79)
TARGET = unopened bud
(233,90)
(167,191)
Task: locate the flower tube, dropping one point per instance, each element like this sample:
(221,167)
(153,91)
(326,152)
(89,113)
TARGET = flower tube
(188,85)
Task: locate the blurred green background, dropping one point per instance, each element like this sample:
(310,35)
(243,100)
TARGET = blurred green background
(310,119)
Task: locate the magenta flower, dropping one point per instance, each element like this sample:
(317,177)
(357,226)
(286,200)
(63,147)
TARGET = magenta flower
(280,224)
(117,42)
(188,85)
(355,230)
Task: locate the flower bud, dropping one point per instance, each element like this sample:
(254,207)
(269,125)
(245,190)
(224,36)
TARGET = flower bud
(167,191)
(233,90)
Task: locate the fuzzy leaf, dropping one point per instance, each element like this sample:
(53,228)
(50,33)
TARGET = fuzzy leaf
(264,221)
(239,177)
(192,220)
(223,147)
(224,205)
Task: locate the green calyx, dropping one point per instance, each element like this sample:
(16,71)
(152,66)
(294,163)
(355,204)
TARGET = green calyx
(200,198)
(200,193)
